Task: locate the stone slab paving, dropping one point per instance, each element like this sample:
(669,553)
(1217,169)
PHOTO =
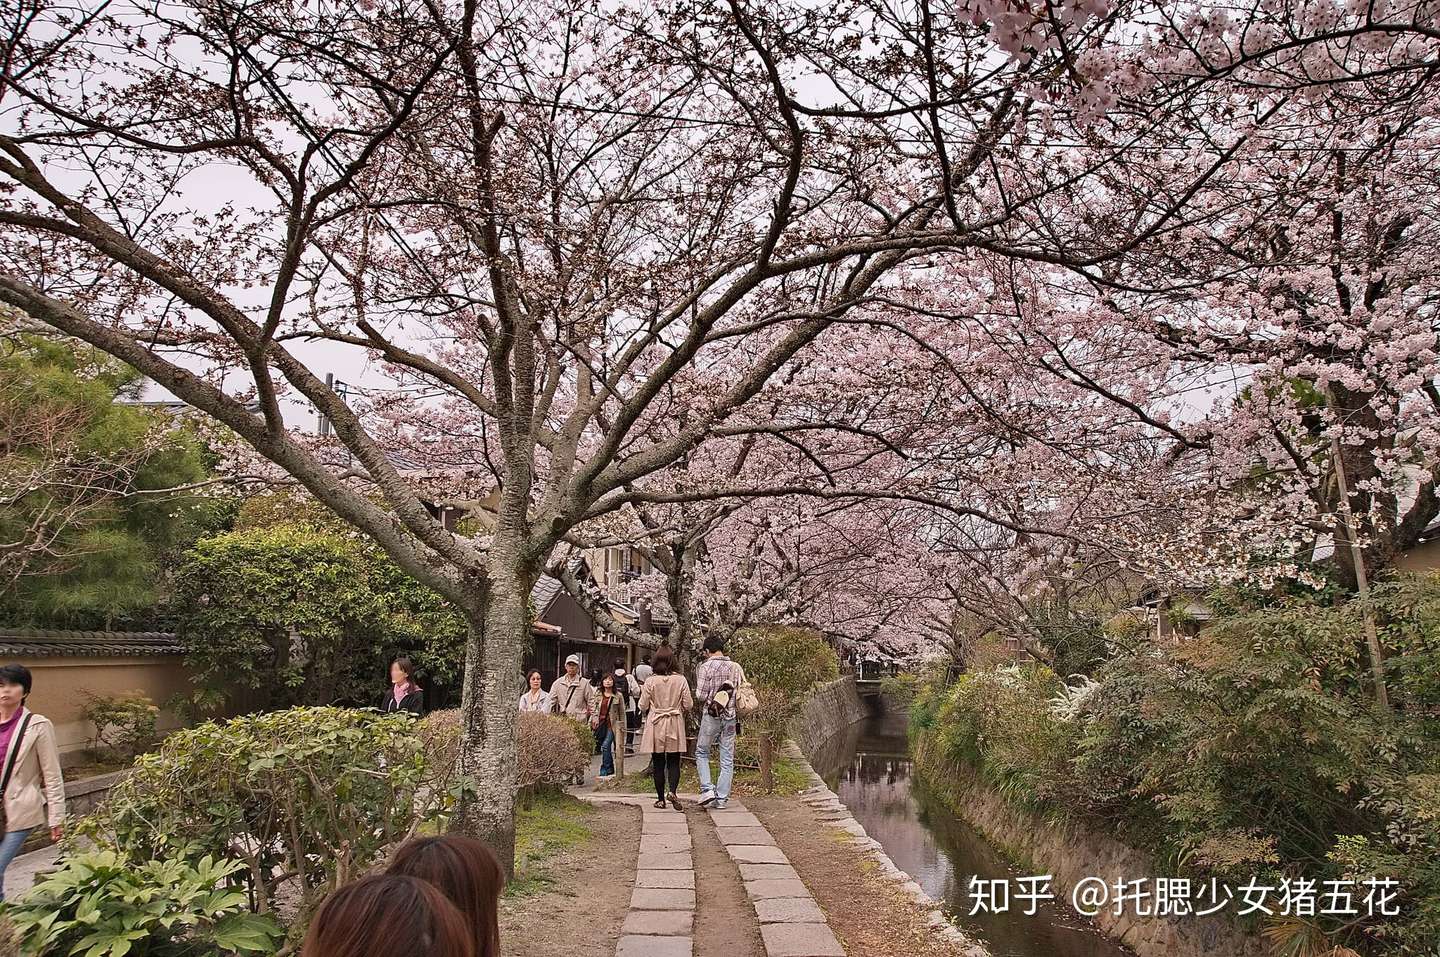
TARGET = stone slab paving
(791,923)
(672,880)
(764,890)
(667,923)
(789,910)
(800,940)
(744,835)
(661,920)
(652,898)
(658,843)
(638,946)
(657,826)
(768,872)
(664,860)
(756,854)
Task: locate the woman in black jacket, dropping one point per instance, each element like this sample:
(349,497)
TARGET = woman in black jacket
(404,694)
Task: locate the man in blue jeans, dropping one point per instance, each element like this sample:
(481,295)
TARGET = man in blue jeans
(715,686)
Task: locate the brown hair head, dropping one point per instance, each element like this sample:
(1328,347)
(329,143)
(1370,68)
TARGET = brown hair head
(664,661)
(407,666)
(384,915)
(465,871)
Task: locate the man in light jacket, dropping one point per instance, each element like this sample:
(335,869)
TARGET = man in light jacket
(570,694)
(32,790)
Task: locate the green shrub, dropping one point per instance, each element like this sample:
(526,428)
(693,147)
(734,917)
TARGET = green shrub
(1001,723)
(900,689)
(550,749)
(306,798)
(1252,750)
(784,664)
(124,724)
(296,615)
(102,905)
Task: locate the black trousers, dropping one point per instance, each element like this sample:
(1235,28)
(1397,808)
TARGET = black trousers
(663,766)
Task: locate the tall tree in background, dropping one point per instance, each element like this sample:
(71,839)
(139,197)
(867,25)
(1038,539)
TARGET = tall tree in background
(93,494)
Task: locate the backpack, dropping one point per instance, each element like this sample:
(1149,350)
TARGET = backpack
(747,702)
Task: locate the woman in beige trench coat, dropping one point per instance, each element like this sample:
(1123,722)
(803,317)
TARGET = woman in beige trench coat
(665,699)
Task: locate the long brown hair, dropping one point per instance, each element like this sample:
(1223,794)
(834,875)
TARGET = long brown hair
(467,873)
(388,914)
(664,661)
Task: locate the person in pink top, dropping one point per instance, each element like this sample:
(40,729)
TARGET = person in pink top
(32,790)
(405,694)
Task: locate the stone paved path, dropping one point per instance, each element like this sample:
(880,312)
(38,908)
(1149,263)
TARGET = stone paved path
(791,923)
(661,920)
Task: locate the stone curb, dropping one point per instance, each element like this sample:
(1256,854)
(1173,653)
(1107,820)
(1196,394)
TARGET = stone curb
(822,799)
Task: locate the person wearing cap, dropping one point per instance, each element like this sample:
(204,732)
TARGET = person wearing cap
(571,695)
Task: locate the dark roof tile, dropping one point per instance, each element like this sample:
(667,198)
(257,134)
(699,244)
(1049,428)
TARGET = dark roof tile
(48,643)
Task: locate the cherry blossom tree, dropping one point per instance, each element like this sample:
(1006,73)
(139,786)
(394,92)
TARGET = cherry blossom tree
(579,240)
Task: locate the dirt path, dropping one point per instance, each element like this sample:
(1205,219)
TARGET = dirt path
(725,924)
(580,914)
(869,913)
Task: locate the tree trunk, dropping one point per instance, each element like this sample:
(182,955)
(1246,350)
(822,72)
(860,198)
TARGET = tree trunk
(494,655)
(680,587)
(767,762)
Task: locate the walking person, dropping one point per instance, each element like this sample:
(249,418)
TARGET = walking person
(643,671)
(665,697)
(32,790)
(570,694)
(630,690)
(467,873)
(404,694)
(535,698)
(716,682)
(608,721)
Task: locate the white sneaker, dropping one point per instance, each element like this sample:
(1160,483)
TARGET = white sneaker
(718,804)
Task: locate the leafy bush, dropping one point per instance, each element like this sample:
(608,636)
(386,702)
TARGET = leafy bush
(124,724)
(306,798)
(1253,750)
(1001,722)
(901,689)
(783,663)
(550,749)
(102,905)
(300,615)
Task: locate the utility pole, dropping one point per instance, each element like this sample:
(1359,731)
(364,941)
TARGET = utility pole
(323,427)
(1362,580)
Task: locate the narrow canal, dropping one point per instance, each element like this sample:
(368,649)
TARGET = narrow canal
(869,768)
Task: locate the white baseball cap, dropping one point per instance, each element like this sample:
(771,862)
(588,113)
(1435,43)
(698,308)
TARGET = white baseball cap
(573,660)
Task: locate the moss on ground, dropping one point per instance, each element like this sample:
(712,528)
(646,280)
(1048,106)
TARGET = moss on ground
(546,824)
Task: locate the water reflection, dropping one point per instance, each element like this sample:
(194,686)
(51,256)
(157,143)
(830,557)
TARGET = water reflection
(867,766)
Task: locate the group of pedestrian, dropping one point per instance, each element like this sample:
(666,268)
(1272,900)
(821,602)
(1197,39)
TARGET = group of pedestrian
(607,701)
(654,700)
(439,897)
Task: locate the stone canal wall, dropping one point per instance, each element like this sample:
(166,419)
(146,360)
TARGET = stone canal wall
(830,709)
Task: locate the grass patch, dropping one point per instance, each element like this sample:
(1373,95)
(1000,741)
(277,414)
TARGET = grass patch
(546,824)
(790,778)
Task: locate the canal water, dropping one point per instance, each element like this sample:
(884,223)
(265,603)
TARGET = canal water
(869,768)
